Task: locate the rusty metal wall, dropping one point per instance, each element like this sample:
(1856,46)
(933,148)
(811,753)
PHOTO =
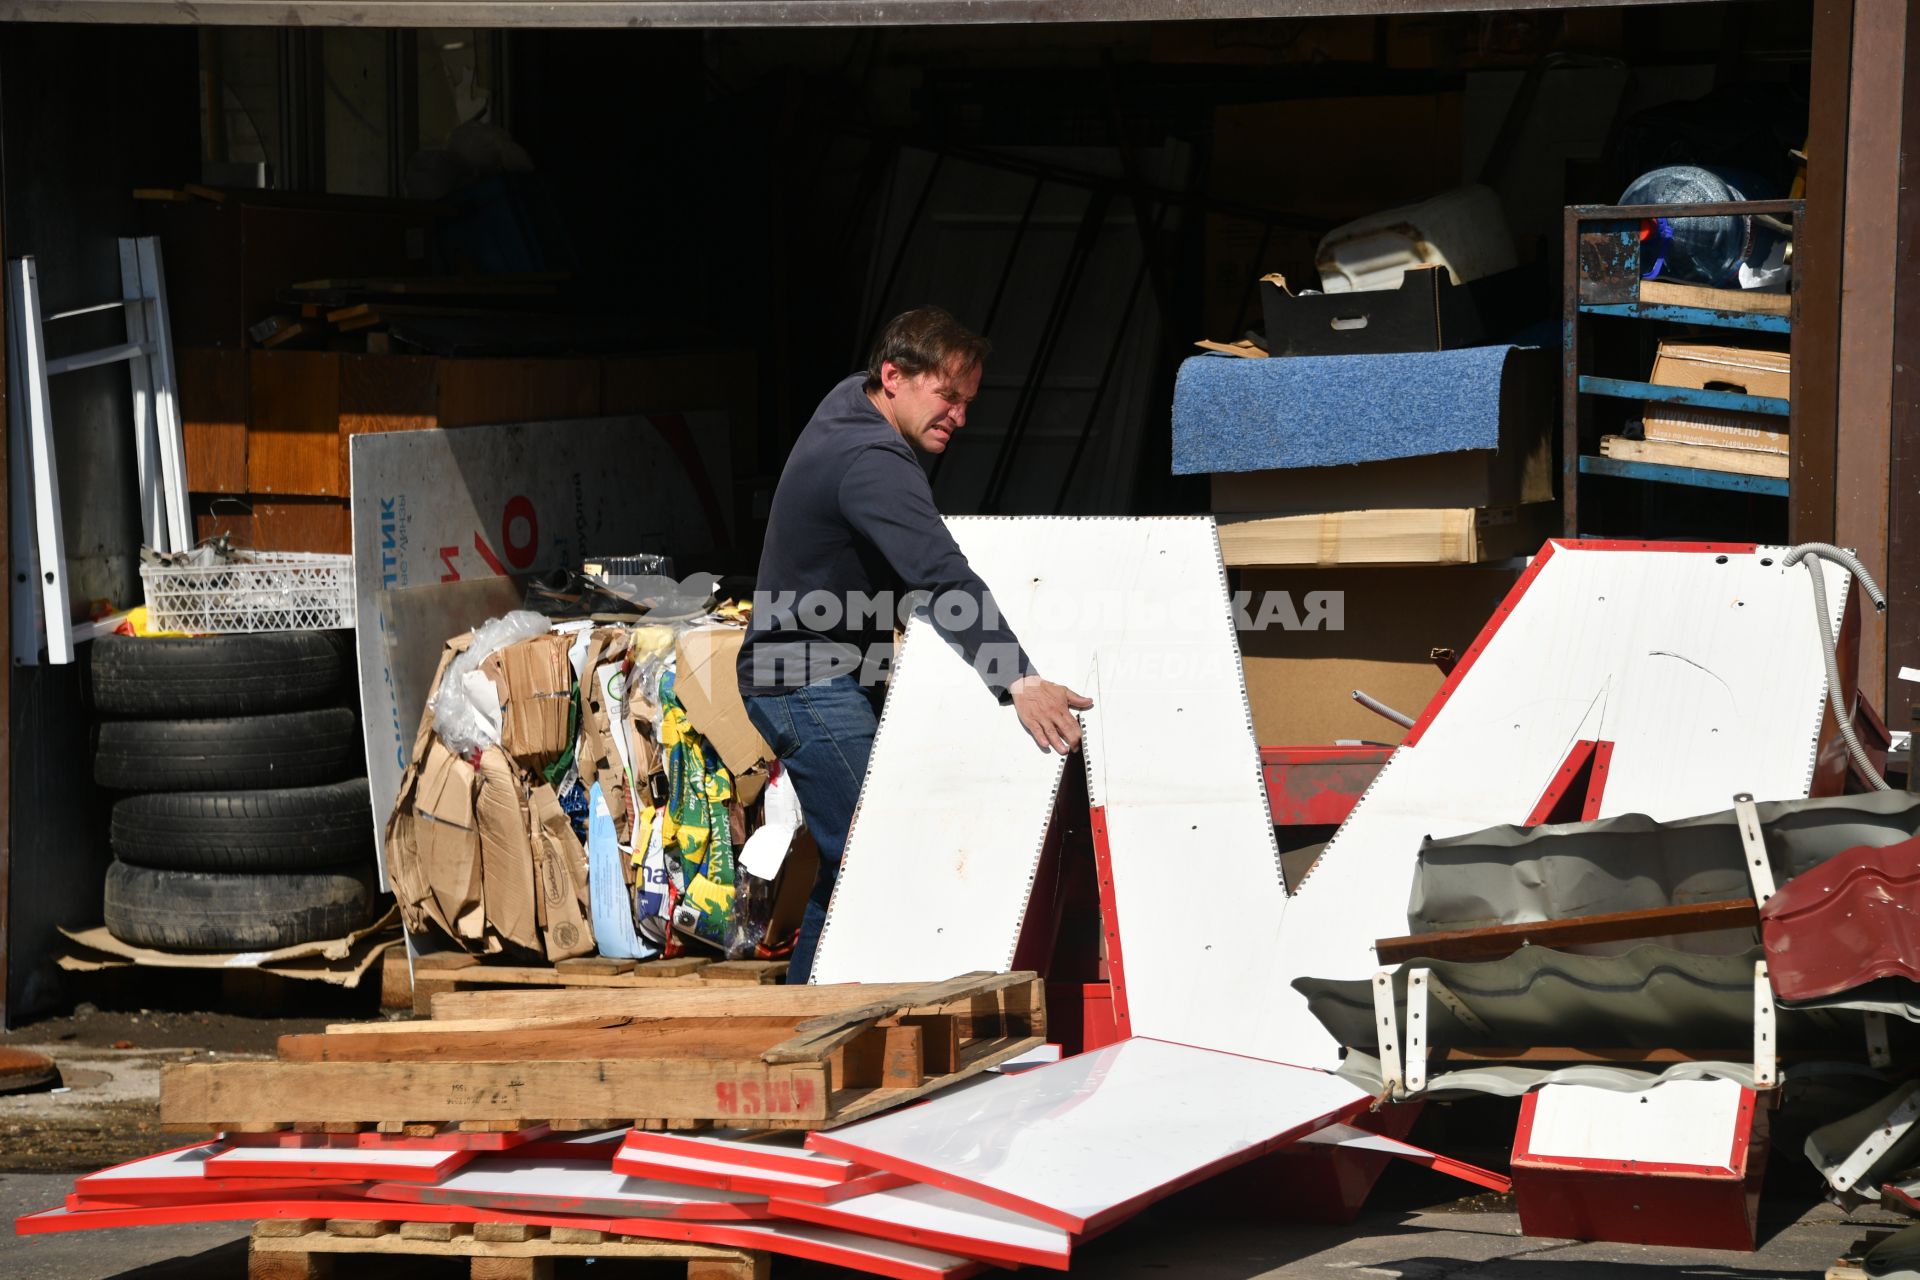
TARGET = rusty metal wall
(1903,507)
(1864,408)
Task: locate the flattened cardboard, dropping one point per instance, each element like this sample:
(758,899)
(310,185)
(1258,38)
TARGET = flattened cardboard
(705,683)
(535,681)
(339,962)
(600,757)
(432,857)
(559,866)
(444,834)
(506,854)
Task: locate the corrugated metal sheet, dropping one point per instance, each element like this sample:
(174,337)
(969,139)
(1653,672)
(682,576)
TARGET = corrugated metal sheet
(1848,922)
(717,13)
(1512,1081)
(1510,874)
(1652,997)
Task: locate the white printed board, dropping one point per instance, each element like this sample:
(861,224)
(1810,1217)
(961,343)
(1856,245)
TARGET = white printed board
(1090,1140)
(454,506)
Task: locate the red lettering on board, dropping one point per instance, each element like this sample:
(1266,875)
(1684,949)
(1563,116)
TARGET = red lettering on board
(726,1099)
(447,555)
(520,551)
(750,1097)
(486,553)
(803,1093)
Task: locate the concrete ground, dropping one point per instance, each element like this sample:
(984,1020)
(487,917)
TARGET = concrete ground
(1416,1226)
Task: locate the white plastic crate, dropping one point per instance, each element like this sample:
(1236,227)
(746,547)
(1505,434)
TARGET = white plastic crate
(260,591)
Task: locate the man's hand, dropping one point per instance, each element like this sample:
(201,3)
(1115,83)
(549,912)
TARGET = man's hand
(1046,711)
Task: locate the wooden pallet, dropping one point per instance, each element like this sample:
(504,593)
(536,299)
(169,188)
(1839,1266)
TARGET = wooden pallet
(305,1248)
(773,1057)
(443,972)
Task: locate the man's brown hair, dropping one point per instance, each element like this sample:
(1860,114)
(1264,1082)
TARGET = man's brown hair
(926,340)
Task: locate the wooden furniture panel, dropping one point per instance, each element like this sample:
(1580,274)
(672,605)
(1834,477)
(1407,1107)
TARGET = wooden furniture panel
(479,392)
(213,418)
(294,444)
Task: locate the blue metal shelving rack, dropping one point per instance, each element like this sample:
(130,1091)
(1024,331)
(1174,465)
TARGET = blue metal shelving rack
(1603,279)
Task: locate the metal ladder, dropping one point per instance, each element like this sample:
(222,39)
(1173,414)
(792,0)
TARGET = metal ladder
(41,600)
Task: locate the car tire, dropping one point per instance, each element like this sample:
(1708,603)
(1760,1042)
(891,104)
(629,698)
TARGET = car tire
(213,911)
(200,676)
(288,749)
(280,829)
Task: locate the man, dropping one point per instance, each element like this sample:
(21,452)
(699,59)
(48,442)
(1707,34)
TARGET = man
(853,519)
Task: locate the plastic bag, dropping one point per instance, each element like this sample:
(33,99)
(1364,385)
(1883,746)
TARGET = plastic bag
(458,716)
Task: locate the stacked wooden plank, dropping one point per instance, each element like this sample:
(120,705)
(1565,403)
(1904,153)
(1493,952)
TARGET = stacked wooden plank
(443,972)
(686,1053)
(492,1130)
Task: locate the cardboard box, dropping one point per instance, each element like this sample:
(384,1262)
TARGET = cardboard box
(1520,471)
(535,681)
(707,687)
(1300,681)
(1433,535)
(1428,312)
(1707,367)
(1715,429)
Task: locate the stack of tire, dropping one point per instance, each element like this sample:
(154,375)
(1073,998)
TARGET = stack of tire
(243,822)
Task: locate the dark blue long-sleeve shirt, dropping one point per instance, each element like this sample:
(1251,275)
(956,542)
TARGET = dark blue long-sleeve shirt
(852,530)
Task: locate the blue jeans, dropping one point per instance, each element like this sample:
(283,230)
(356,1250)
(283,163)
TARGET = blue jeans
(823,734)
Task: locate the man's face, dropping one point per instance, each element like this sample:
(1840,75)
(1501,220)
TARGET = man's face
(929,407)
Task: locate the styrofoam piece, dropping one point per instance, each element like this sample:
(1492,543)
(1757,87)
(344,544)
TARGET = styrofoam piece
(1090,1140)
(180,1171)
(1135,614)
(777,1153)
(1699,662)
(939,1219)
(344,1164)
(1690,1123)
(722,1175)
(514,1183)
(367,1140)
